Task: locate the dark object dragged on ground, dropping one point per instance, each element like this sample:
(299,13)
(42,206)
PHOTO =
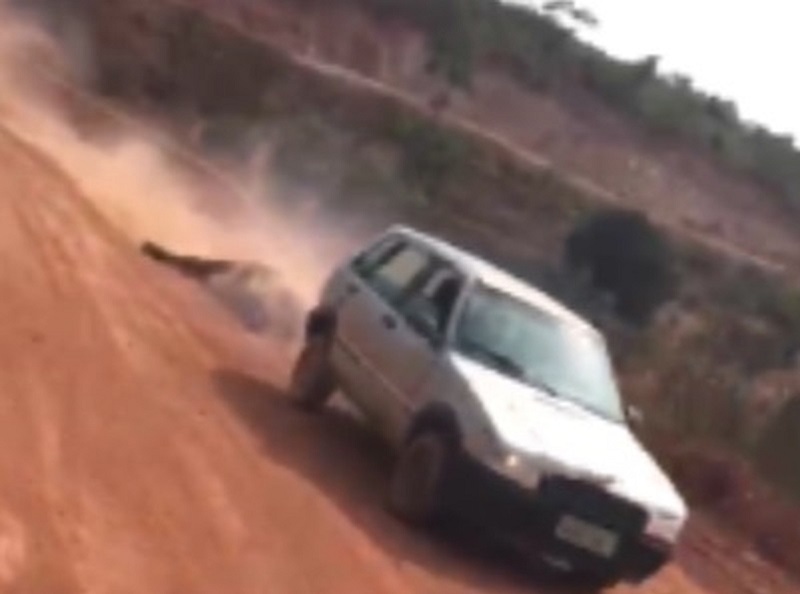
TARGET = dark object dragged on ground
(193,266)
(253,292)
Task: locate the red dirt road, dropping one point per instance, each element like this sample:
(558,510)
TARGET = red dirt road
(146,446)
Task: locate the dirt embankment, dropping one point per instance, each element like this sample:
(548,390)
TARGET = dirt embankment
(578,133)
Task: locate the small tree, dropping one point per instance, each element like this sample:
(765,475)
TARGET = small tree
(430,154)
(626,256)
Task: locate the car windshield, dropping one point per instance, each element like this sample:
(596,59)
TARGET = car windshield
(525,343)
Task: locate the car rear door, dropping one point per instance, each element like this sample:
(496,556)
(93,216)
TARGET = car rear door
(369,324)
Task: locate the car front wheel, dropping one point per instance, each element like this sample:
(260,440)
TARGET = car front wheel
(417,488)
(597,581)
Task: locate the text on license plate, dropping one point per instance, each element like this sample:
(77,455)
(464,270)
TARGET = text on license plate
(587,536)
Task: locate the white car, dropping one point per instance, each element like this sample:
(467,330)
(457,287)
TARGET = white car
(501,402)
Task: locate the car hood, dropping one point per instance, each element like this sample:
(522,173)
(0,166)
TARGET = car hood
(566,439)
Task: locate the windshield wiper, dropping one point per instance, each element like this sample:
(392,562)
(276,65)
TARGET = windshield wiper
(506,364)
(543,386)
(498,360)
(571,403)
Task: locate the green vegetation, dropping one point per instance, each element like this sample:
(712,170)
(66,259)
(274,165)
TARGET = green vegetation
(544,55)
(626,256)
(187,71)
(430,153)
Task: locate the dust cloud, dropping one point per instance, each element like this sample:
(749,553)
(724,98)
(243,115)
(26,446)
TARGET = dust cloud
(147,185)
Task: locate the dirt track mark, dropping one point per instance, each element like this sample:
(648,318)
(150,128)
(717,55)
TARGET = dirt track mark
(106,486)
(13,548)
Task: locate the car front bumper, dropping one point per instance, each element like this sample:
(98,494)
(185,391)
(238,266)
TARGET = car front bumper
(528,519)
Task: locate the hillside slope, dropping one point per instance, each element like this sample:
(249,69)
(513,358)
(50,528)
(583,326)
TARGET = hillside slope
(575,131)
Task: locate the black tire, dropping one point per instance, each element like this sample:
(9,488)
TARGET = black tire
(312,382)
(418,485)
(597,581)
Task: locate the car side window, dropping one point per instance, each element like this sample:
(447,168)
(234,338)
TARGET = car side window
(429,308)
(374,256)
(396,274)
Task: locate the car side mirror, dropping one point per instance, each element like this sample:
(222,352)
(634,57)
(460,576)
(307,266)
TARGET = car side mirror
(427,327)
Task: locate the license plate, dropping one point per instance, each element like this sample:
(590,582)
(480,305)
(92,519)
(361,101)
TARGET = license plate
(589,537)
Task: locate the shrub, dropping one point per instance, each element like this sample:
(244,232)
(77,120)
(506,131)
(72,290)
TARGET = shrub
(430,155)
(540,53)
(626,256)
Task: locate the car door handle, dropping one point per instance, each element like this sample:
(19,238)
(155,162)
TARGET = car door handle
(389,322)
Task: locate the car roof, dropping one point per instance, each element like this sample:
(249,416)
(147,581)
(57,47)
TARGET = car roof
(496,278)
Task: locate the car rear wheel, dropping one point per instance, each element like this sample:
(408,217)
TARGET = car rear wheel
(417,488)
(312,382)
(596,582)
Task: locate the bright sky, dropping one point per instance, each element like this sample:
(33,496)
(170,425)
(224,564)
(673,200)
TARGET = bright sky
(738,49)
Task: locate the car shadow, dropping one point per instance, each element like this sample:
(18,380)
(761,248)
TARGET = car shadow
(336,451)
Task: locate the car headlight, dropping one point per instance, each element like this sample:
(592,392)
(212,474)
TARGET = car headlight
(520,469)
(665,526)
(512,462)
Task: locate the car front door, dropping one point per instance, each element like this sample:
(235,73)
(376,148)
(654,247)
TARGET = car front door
(426,313)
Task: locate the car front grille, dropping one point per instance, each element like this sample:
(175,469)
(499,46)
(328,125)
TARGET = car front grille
(559,497)
(593,504)
(529,519)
